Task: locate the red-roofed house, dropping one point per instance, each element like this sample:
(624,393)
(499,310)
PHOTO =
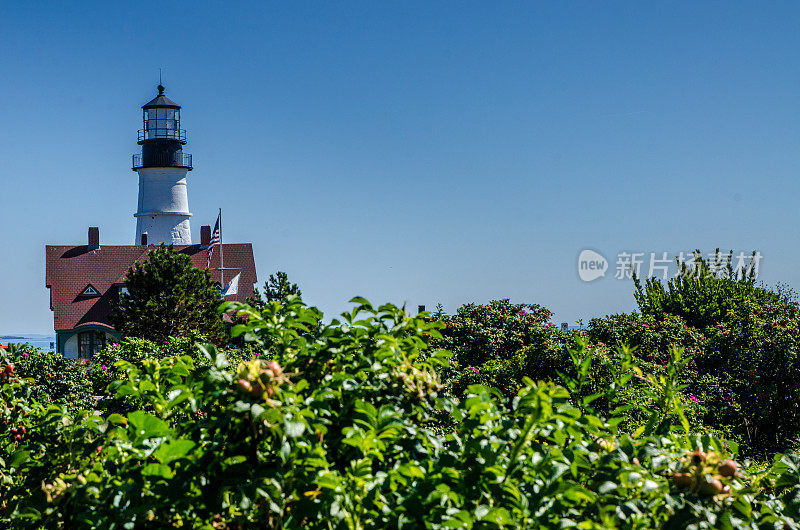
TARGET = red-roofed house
(85,280)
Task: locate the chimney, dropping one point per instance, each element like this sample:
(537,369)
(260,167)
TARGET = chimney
(420,308)
(144,239)
(94,238)
(205,236)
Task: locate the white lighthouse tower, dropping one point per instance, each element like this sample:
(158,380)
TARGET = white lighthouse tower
(163,212)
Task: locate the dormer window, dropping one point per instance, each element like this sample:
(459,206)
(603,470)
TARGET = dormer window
(89,292)
(121,289)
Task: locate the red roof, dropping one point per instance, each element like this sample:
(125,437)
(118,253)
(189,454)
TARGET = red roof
(71,268)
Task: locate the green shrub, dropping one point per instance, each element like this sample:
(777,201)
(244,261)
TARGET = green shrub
(704,294)
(104,369)
(651,337)
(742,372)
(753,361)
(342,430)
(55,379)
(499,343)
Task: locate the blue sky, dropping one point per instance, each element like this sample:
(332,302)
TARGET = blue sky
(411,151)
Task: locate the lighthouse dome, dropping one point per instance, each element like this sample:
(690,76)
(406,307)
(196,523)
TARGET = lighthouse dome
(161,101)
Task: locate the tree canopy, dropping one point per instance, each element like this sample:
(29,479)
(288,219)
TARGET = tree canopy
(167,296)
(276,288)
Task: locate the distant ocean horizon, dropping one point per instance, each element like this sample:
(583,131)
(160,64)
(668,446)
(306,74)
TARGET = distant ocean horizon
(43,341)
(37,341)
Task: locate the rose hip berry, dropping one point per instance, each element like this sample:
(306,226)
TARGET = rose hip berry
(728,468)
(712,487)
(698,456)
(275,367)
(682,480)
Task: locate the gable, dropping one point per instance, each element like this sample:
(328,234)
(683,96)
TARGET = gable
(89,292)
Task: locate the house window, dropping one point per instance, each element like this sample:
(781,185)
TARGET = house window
(90,342)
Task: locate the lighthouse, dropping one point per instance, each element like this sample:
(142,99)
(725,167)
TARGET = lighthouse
(86,280)
(163,213)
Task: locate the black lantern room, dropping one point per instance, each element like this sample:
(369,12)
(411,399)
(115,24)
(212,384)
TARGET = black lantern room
(162,138)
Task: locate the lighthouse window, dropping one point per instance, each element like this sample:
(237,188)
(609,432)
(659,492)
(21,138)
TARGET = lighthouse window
(161,122)
(150,121)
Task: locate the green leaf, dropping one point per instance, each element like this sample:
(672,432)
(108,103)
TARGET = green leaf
(294,428)
(367,409)
(208,350)
(328,481)
(579,494)
(360,300)
(411,470)
(221,361)
(157,470)
(743,507)
(127,389)
(18,457)
(180,369)
(257,410)
(146,425)
(588,399)
(650,485)
(173,449)
(607,487)
(117,419)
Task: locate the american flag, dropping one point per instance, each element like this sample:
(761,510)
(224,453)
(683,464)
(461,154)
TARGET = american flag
(214,240)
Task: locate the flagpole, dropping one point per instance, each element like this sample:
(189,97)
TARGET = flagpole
(221,260)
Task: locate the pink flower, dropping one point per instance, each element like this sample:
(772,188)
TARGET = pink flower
(693,399)
(522,312)
(645,326)
(104,367)
(115,344)
(25,355)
